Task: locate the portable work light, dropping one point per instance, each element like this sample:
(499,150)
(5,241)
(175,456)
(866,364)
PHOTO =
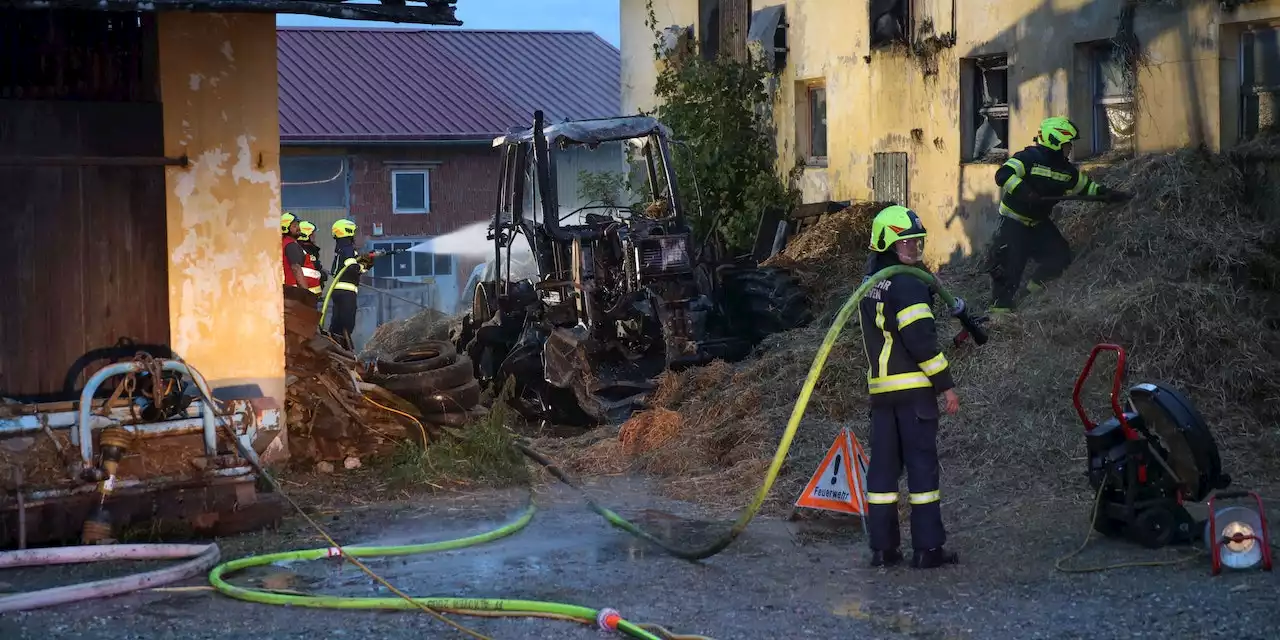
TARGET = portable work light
(1237,535)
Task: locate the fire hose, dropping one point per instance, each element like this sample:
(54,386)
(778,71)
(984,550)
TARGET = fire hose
(202,557)
(608,619)
(482,607)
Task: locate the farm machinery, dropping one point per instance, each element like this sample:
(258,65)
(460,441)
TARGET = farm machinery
(146,440)
(621,293)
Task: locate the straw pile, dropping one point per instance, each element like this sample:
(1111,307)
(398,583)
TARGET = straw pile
(1183,276)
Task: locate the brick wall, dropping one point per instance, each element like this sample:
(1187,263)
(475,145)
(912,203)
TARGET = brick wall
(462,182)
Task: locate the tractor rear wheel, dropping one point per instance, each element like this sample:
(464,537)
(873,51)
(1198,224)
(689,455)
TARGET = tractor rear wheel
(765,300)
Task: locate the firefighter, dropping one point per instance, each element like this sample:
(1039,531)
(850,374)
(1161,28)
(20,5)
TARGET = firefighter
(348,266)
(906,373)
(1042,170)
(305,229)
(299,269)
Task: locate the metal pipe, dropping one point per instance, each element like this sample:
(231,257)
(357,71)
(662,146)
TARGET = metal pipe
(18,425)
(39,497)
(83,434)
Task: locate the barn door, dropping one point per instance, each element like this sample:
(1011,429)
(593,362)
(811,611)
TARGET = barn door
(84,243)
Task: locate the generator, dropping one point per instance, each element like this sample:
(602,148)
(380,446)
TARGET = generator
(1147,461)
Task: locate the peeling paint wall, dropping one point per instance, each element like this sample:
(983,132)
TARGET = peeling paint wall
(218,85)
(884,101)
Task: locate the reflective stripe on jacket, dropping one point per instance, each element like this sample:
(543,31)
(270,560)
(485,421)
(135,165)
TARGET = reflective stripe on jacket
(900,338)
(1048,173)
(310,274)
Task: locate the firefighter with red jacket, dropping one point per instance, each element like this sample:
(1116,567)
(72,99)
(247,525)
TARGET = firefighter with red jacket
(299,269)
(907,371)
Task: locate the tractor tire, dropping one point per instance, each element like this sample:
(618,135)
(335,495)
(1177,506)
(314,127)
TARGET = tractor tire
(454,375)
(765,300)
(418,357)
(460,398)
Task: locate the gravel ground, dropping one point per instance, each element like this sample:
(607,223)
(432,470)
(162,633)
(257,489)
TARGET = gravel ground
(779,580)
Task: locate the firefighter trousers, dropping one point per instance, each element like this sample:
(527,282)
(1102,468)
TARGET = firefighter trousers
(1014,244)
(343,322)
(904,434)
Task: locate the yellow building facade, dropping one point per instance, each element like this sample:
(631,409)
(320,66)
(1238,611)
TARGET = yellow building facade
(921,103)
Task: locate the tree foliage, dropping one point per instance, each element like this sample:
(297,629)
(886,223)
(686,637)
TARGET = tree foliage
(720,111)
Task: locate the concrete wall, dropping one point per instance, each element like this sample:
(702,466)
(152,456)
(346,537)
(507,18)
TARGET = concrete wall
(893,101)
(218,85)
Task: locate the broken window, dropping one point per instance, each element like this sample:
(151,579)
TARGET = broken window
(1113,116)
(817,99)
(1260,80)
(890,22)
(767,38)
(990,120)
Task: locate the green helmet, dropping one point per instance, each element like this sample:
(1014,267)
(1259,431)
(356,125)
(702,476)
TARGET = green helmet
(1057,131)
(892,224)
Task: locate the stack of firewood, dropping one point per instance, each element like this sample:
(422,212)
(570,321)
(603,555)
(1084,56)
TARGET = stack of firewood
(330,420)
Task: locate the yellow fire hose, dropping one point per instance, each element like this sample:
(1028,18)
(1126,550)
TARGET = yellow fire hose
(605,618)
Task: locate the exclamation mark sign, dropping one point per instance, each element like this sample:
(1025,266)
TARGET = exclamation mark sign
(835,472)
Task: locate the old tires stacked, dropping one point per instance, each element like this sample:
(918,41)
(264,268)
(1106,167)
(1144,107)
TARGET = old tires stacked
(434,378)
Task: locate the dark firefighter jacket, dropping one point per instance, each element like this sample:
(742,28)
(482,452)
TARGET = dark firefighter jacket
(344,254)
(901,339)
(1046,173)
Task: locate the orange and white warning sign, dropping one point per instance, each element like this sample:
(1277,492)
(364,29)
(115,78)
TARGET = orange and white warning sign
(841,481)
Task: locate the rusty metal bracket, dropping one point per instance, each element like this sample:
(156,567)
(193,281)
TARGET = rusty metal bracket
(89,161)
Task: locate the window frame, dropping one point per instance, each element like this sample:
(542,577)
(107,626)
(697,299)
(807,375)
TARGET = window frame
(343,177)
(1249,88)
(977,68)
(381,243)
(1098,102)
(812,159)
(426,191)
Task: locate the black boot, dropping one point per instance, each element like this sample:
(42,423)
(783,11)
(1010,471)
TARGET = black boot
(885,558)
(931,558)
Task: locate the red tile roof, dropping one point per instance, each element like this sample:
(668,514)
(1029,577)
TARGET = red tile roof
(438,84)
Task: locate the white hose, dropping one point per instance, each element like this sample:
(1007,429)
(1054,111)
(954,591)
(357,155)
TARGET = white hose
(203,557)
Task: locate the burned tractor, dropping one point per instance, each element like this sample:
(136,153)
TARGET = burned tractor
(620,294)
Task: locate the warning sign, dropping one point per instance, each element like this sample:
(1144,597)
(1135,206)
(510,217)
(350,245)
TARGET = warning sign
(841,480)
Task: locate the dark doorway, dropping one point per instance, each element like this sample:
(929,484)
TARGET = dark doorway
(84,248)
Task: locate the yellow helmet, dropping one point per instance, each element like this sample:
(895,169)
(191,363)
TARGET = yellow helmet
(306,228)
(344,229)
(892,224)
(286,221)
(1057,131)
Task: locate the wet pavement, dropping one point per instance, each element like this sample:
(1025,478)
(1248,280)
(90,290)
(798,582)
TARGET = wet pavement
(779,580)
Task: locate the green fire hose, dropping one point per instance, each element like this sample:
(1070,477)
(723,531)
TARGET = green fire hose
(606,618)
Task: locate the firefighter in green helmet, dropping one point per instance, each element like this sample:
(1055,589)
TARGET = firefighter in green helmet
(907,371)
(1042,170)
